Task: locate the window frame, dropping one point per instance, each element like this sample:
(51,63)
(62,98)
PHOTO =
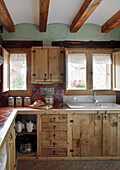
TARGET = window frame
(89,73)
(76,92)
(27,51)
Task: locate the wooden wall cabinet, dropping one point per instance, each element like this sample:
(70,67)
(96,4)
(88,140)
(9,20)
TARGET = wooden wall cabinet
(11,149)
(47,64)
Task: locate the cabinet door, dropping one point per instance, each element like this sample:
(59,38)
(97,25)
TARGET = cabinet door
(56,64)
(86,135)
(111,143)
(116,71)
(11,154)
(39,64)
(5,71)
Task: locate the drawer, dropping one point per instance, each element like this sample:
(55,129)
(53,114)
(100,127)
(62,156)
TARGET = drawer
(54,143)
(54,152)
(54,135)
(54,126)
(54,118)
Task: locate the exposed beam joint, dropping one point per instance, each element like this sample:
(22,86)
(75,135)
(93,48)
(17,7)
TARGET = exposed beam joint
(43,14)
(85,11)
(6,18)
(113,22)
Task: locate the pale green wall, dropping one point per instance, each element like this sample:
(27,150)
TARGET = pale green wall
(60,32)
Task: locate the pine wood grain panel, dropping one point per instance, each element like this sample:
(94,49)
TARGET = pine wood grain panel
(118,134)
(54,152)
(6,18)
(110,135)
(69,135)
(113,22)
(87,134)
(54,143)
(5,71)
(54,126)
(54,135)
(39,64)
(56,64)
(39,129)
(54,118)
(85,11)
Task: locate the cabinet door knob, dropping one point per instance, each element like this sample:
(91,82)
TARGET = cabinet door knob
(50,76)
(45,76)
(11,135)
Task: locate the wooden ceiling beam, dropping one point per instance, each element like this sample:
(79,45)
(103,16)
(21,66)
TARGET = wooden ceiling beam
(6,18)
(43,14)
(113,22)
(85,11)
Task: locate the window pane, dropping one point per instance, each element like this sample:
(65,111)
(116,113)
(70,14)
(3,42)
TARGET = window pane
(76,71)
(101,71)
(18,69)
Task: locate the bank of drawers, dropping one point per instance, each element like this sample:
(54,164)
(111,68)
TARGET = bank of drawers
(54,135)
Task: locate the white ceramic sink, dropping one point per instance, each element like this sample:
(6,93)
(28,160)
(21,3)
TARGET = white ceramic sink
(76,105)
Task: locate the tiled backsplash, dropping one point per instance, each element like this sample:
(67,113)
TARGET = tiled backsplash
(39,91)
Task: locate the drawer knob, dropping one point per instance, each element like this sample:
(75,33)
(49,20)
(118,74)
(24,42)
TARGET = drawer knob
(54,144)
(54,127)
(54,119)
(54,135)
(54,152)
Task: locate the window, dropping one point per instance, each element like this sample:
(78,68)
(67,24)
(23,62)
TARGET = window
(101,71)
(18,73)
(88,69)
(76,72)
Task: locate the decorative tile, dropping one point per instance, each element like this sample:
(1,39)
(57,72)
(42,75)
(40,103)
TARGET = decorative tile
(47,91)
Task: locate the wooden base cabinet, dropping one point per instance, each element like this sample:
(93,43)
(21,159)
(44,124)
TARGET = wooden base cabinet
(54,135)
(11,153)
(86,136)
(111,135)
(94,135)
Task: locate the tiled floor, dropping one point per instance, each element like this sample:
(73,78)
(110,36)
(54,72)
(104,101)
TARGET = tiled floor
(68,165)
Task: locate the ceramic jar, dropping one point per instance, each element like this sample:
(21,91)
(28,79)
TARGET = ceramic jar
(10,101)
(26,101)
(49,100)
(18,101)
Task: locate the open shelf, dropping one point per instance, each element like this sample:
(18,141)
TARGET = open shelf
(24,132)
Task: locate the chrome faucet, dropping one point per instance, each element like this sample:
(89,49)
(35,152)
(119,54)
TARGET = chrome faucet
(94,96)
